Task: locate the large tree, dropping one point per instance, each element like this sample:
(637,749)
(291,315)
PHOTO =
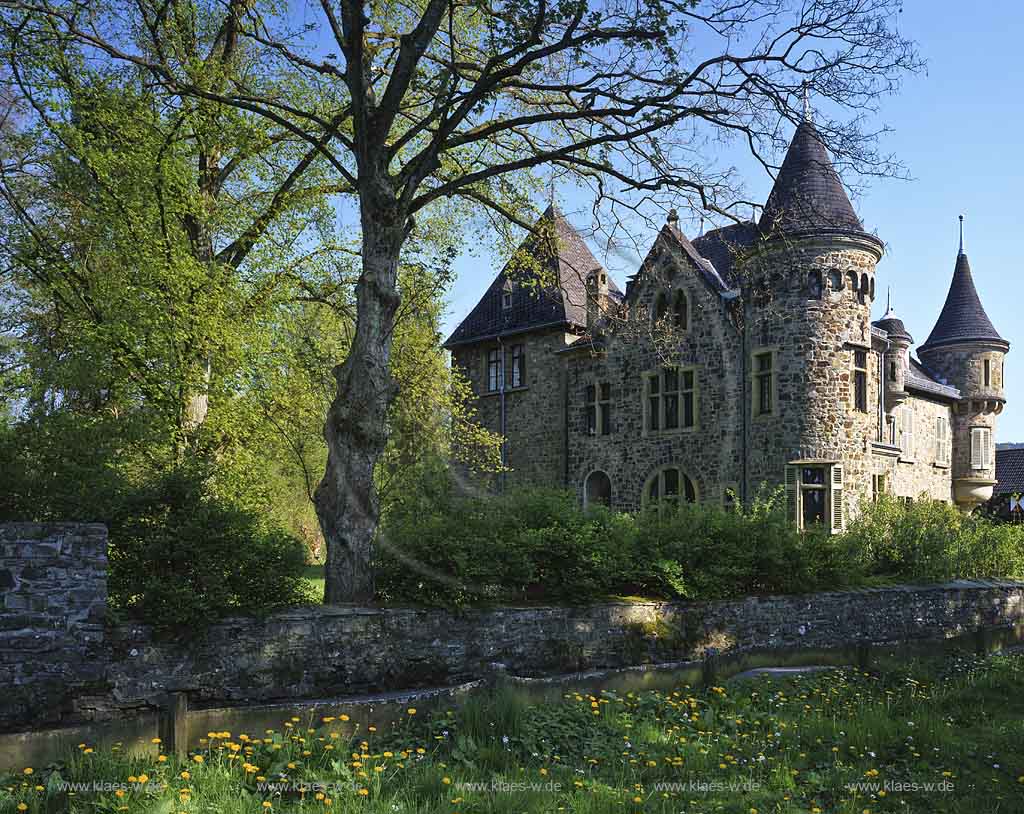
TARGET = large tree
(413,103)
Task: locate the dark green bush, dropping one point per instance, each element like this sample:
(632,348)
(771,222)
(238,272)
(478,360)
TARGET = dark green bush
(539,545)
(180,558)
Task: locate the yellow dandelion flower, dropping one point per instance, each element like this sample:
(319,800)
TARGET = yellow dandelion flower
(364,792)
(411,710)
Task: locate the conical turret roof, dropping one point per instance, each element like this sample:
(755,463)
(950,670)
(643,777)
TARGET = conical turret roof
(808,195)
(963,318)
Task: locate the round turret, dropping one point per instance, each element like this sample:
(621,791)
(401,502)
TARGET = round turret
(895,357)
(967,351)
(808,318)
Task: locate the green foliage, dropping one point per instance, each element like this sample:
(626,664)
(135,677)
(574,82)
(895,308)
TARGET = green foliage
(927,540)
(183,557)
(440,547)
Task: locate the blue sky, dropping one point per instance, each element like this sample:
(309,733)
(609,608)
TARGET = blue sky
(958,129)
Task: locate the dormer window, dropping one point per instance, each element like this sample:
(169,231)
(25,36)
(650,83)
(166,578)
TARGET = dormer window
(506,300)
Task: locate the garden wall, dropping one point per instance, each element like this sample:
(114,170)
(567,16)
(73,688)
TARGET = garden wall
(317,652)
(54,583)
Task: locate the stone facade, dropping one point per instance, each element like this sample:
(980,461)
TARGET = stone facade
(54,582)
(528,411)
(848,412)
(62,666)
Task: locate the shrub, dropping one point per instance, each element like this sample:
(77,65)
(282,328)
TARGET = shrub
(180,557)
(930,541)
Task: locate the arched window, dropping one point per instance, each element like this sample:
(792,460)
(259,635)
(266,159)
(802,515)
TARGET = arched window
(835,279)
(872,288)
(852,277)
(681,310)
(597,489)
(863,292)
(669,484)
(660,306)
(814,285)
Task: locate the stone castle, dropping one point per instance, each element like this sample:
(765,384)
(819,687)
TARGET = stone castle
(743,359)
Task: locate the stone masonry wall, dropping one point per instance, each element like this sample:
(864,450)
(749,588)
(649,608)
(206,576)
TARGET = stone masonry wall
(329,651)
(534,412)
(710,453)
(963,367)
(54,582)
(815,339)
(919,473)
(60,664)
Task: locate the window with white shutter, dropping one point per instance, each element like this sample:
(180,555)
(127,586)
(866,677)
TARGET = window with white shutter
(981,448)
(837,498)
(907,433)
(942,454)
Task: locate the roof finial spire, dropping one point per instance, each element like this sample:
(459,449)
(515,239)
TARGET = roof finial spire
(807,101)
(551,186)
(889,313)
(961,235)
(673,216)
(702,226)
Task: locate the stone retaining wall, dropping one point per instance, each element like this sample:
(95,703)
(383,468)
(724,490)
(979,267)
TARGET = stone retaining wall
(316,652)
(53,579)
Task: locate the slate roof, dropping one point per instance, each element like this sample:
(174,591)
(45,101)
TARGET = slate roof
(808,195)
(563,302)
(721,246)
(1009,470)
(963,318)
(923,380)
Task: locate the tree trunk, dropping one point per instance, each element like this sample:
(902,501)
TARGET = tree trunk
(346,500)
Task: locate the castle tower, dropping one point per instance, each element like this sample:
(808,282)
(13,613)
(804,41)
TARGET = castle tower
(967,351)
(807,320)
(895,358)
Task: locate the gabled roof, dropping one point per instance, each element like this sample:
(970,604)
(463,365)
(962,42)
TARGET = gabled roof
(564,260)
(1010,470)
(672,238)
(808,195)
(963,318)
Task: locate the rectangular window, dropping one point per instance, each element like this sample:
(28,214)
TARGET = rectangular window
(988,373)
(860,380)
(605,409)
(591,409)
(764,383)
(517,366)
(879,487)
(494,370)
(671,400)
(942,452)
(981,448)
(815,494)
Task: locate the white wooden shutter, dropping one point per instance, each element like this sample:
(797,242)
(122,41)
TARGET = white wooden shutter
(907,434)
(837,498)
(986,448)
(941,440)
(793,493)
(977,448)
